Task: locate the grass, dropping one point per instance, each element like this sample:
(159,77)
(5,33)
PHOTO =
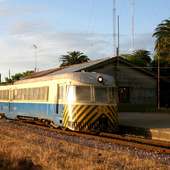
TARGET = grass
(24,150)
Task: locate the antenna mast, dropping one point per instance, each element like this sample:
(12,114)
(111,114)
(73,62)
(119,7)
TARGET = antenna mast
(132,3)
(35,55)
(114,27)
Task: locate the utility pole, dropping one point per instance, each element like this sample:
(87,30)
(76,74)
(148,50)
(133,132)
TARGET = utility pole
(9,74)
(118,37)
(114,27)
(158,83)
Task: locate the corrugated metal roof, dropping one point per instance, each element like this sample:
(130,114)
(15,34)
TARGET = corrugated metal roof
(78,67)
(66,69)
(42,73)
(86,66)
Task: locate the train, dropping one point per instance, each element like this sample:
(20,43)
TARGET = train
(79,101)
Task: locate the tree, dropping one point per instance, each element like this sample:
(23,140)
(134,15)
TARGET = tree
(18,76)
(74,57)
(162,48)
(139,57)
(162,44)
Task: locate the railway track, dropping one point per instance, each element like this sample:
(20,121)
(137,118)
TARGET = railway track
(126,140)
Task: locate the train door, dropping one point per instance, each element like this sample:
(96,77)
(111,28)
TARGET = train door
(61,88)
(10,105)
(10,101)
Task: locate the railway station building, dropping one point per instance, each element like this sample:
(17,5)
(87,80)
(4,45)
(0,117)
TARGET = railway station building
(137,87)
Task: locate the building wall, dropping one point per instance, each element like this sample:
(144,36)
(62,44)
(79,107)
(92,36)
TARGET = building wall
(141,87)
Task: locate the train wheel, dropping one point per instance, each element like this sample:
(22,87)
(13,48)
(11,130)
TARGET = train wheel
(53,125)
(2,116)
(49,123)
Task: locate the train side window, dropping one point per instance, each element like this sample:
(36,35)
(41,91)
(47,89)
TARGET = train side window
(61,92)
(45,93)
(26,94)
(4,95)
(15,94)
(22,95)
(39,94)
(83,93)
(35,94)
(101,94)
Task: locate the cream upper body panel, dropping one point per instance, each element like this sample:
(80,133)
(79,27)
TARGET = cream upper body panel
(52,82)
(75,78)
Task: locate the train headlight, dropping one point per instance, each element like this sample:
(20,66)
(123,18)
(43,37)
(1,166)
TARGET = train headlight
(100,79)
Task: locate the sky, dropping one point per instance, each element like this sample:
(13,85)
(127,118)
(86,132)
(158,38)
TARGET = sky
(58,26)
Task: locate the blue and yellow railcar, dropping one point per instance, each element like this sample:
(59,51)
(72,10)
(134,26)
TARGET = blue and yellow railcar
(79,101)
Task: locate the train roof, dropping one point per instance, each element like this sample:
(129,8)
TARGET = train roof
(82,77)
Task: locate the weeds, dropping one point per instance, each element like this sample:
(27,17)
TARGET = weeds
(21,149)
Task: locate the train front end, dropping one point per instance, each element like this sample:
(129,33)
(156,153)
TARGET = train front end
(91,103)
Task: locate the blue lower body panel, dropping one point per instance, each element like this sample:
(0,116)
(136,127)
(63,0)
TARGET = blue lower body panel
(45,111)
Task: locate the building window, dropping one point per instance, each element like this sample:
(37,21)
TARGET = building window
(124,95)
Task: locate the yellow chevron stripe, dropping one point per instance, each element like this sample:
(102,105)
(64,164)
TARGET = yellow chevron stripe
(98,115)
(114,110)
(65,118)
(110,118)
(88,114)
(84,113)
(81,112)
(66,122)
(86,119)
(65,111)
(91,121)
(111,113)
(76,110)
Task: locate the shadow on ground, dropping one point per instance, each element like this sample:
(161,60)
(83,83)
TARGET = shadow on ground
(137,131)
(23,164)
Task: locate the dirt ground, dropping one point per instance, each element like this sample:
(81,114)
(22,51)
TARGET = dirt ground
(21,149)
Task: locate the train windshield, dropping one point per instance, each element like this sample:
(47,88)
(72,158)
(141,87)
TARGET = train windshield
(101,94)
(79,93)
(90,94)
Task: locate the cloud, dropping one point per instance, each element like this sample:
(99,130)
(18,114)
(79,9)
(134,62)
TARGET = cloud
(22,26)
(7,10)
(17,53)
(142,41)
(28,27)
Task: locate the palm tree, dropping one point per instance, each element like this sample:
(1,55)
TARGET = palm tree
(74,57)
(143,55)
(162,44)
(139,57)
